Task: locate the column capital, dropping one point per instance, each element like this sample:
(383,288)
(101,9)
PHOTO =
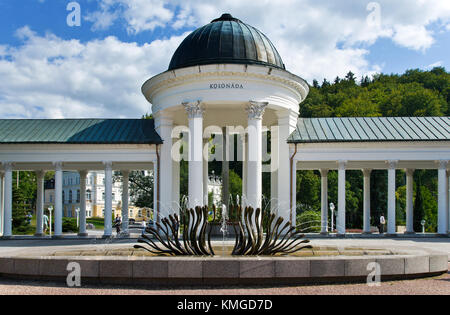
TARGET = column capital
(8,166)
(342,164)
(409,171)
(442,164)
(392,164)
(256,110)
(58,165)
(366,172)
(108,165)
(83,173)
(324,172)
(194,109)
(125,173)
(40,174)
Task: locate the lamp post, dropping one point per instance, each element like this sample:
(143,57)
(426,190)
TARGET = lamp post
(50,209)
(423,226)
(332,207)
(77,210)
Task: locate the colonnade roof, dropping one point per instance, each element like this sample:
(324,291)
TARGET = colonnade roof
(371,129)
(78,131)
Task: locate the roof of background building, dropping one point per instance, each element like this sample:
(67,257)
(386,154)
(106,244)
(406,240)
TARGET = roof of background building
(226,40)
(79,131)
(374,129)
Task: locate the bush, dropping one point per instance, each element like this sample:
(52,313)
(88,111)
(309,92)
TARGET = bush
(69,225)
(309,222)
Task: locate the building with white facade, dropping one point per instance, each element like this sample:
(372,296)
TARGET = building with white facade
(95,196)
(226,78)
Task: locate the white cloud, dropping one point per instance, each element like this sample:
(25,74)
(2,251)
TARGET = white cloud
(434,65)
(305,30)
(54,78)
(47,76)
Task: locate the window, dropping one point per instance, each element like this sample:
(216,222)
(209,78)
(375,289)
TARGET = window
(64,196)
(70,196)
(89,195)
(78,196)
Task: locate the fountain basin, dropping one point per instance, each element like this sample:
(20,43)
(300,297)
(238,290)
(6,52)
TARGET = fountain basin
(134,267)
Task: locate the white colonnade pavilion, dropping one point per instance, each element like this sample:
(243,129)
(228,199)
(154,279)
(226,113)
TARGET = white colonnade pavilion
(226,78)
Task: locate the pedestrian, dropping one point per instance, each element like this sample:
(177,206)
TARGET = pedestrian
(45,221)
(117,223)
(382,223)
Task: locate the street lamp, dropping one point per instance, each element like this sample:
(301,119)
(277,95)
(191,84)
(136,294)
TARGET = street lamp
(77,210)
(50,209)
(423,225)
(332,207)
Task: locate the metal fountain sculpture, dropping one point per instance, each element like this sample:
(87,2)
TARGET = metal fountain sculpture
(249,226)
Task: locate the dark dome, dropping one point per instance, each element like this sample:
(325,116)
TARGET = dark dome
(226,40)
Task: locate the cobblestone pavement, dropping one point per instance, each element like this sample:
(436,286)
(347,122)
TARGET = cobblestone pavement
(431,286)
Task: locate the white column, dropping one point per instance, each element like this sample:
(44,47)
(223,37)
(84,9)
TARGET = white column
(442,198)
(448,201)
(287,123)
(340,220)
(366,174)
(225,167)
(7,212)
(391,224)
(164,127)
(293,194)
(58,211)
(195,115)
(82,229)
(156,203)
(244,169)
(409,201)
(255,112)
(324,201)
(205,170)
(176,187)
(40,203)
(108,199)
(2,201)
(274,165)
(125,198)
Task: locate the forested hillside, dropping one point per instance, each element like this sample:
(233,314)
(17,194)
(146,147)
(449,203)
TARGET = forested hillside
(414,93)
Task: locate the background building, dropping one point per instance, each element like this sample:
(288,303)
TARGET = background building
(95,197)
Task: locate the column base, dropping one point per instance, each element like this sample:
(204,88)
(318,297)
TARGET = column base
(105,236)
(83,234)
(324,233)
(7,237)
(340,235)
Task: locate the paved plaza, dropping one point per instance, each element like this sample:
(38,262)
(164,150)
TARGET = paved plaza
(433,286)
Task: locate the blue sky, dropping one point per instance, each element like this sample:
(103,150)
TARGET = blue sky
(52,70)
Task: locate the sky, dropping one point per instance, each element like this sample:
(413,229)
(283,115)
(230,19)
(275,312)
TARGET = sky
(89,58)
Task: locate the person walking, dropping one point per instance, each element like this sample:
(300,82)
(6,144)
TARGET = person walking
(45,221)
(117,223)
(382,223)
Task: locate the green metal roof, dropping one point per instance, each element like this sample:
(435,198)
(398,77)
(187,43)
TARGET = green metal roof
(79,131)
(373,129)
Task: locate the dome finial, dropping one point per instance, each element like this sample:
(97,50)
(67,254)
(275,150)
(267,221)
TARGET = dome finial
(226,17)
